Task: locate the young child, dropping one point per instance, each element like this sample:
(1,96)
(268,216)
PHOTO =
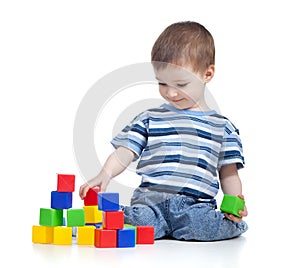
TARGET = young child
(184,148)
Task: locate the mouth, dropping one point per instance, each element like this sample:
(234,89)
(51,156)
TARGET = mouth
(176,100)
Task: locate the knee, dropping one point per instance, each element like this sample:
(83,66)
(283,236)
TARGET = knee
(139,215)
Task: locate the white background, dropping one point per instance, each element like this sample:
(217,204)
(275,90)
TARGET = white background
(52,52)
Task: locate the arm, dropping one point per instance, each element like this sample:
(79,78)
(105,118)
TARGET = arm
(115,164)
(232,185)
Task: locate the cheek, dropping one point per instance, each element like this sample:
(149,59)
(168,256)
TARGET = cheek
(162,91)
(191,95)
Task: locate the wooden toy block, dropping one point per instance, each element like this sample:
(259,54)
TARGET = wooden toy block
(86,235)
(42,234)
(232,204)
(65,183)
(105,238)
(113,220)
(145,235)
(126,238)
(75,217)
(108,201)
(91,198)
(61,200)
(62,235)
(92,214)
(51,217)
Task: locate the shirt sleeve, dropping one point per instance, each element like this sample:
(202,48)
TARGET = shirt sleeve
(134,136)
(232,149)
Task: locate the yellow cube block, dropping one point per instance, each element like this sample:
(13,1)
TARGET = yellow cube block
(85,235)
(62,235)
(92,214)
(42,234)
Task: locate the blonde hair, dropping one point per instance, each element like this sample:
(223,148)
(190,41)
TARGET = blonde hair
(184,43)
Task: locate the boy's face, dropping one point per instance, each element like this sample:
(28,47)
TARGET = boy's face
(181,87)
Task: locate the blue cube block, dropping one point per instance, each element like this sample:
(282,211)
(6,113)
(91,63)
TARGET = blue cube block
(61,200)
(108,201)
(97,225)
(126,238)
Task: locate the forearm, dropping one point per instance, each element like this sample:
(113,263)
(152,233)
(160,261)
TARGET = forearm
(231,185)
(230,180)
(117,162)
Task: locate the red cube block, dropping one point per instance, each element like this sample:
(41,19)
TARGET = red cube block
(145,235)
(91,198)
(65,183)
(105,238)
(113,220)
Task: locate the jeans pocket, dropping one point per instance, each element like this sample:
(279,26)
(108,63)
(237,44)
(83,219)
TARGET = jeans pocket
(182,203)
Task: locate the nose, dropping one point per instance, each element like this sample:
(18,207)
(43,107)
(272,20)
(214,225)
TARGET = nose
(172,92)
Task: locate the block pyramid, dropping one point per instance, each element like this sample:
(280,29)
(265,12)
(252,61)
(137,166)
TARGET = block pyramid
(100,222)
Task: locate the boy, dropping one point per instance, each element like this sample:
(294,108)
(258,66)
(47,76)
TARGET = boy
(184,148)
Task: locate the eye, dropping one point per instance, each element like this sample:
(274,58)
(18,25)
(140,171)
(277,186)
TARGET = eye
(182,85)
(162,84)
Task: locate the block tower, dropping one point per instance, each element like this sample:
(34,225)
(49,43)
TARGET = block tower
(113,232)
(99,223)
(53,226)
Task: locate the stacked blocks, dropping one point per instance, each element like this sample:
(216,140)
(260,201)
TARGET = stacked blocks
(85,235)
(105,238)
(99,223)
(61,200)
(93,215)
(126,238)
(75,217)
(108,201)
(52,218)
(232,204)
(65,183)
(91,198)
(113,232)
(113,221)
(62,235)
(42,234)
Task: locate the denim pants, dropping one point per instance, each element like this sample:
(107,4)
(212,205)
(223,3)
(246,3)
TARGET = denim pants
(180,217)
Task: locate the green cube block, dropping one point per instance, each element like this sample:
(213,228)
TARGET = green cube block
(75,217)
(232,204)
(51,217)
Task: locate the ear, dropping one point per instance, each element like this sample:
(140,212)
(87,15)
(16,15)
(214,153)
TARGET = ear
(209,73)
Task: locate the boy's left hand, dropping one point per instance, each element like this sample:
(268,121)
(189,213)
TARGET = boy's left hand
(243,213)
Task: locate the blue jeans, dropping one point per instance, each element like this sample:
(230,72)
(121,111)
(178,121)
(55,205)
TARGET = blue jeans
(180,217)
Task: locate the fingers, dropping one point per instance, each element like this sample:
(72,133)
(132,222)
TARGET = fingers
(232,217)
(92,183)
(83,190)
(244,212)
(241,196)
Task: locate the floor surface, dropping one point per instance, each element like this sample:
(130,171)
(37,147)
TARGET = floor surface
(248,250)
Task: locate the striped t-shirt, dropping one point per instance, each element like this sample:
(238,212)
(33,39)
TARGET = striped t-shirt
(181,151)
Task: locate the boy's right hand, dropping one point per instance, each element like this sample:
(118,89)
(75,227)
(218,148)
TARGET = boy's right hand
(116,163)
(97,181)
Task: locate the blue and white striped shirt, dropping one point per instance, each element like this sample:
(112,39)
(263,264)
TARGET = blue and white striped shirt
(181,151)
